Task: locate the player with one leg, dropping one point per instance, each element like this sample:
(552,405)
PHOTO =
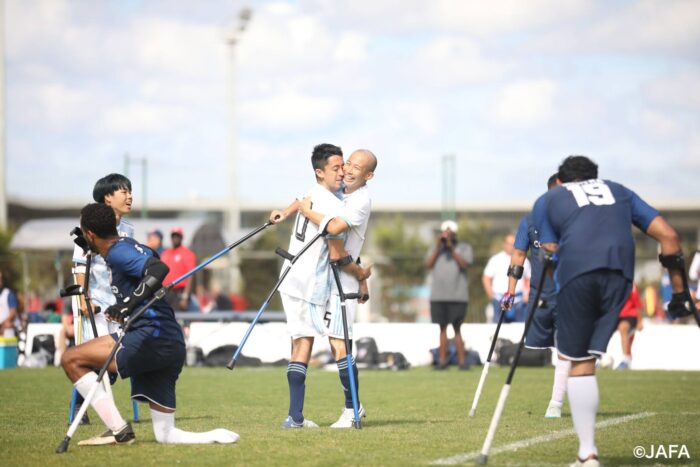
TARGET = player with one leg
(586,221)
(152,352)
(542,331)
(113,190)
(352,220)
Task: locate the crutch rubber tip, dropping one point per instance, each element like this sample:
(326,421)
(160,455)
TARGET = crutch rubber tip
(483,459)
(357,424)
(472,412)
(63,447)
(231,364)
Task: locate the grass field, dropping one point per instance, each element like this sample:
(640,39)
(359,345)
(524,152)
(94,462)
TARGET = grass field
(414,417)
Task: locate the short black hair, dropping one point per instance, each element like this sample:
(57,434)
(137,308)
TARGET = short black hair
(577,168)
(552,181)
(99,219)
(108,184)
(319,158)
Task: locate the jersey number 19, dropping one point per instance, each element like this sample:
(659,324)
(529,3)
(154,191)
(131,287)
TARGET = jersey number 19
(595,192)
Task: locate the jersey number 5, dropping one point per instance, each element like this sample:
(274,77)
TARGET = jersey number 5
(597,193)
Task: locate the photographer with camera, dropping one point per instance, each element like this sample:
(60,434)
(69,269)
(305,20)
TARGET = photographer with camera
(449,293)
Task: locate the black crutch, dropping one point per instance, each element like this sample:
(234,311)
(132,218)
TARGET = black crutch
(348,351)
(292,259)
(484,455)
(160,293)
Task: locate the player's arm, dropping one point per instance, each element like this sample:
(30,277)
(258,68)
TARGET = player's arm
(279,215)
(337,254)
(336,226)
(154,273)
(515,273)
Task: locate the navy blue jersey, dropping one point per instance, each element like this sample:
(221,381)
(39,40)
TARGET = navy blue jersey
(527,239)
(591,221)
(127,260)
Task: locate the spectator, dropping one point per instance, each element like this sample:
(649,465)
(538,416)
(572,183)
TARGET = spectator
(495,282)
(154,241)
(449,294)
(694,274)
(630,321)
(9,319)
(180,260)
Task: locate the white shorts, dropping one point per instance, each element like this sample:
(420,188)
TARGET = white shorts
(304,319)
(333,317)
(104,327)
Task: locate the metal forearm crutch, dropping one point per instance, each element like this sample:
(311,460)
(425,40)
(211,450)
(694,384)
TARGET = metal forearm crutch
(483,456)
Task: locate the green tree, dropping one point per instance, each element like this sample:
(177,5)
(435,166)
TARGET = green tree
(401,268)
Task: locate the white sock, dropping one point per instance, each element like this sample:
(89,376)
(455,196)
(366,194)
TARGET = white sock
(583,402)
(102,402)
(561,374)
(165,431)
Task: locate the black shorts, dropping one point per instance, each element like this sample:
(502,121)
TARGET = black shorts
(444,313)
(588,309)
(542,331)
(153,364)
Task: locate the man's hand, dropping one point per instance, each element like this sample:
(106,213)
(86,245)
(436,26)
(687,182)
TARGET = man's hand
(117,312)
(363,291)
(277,216)
(681,305)
(507,301)
(305,206)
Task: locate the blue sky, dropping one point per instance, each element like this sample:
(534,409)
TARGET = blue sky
(509,87)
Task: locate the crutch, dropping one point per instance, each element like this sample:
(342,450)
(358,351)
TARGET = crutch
(348,352)
(292,259)
(485,369)
(160,293)
(484,455)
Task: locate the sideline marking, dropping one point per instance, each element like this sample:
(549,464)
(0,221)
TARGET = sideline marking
(462,458)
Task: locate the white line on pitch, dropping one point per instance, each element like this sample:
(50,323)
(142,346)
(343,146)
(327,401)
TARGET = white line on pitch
(462,458)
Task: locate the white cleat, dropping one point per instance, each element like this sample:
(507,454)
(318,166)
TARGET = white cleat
(290,423)
(348,417)
(591,461)
(553,410)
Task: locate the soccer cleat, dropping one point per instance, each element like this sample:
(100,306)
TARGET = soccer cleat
(553,410)
(348,417)
(290,423)
(123,436)
(623,366)
(591,461)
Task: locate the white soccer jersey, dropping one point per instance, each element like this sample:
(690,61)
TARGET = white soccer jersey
(100,286)
(497,269)
(309,278)
(357,207)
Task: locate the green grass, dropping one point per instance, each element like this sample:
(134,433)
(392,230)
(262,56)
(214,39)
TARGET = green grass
(414,417)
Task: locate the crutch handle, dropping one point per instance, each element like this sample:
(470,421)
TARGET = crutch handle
(73,289)
(355,296)
(284,253)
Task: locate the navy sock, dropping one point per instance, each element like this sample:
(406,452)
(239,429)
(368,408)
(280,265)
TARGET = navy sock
(345,380)
(296,377)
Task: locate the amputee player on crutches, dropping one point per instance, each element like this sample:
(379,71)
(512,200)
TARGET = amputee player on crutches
(306,291)
(152,352)
(353,219)
(114,190)
(541,334)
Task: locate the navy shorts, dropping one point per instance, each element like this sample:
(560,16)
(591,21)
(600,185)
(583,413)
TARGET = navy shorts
(587,312)
(540,334)
(153,364)
(444,313)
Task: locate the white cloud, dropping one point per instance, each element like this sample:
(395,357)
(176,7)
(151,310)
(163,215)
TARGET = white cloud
(659,125)
(289,112)
(142,118)
(351,47)
(449,60)
(524,104)
(679,91)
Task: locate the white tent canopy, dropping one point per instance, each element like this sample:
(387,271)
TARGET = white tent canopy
(54,234)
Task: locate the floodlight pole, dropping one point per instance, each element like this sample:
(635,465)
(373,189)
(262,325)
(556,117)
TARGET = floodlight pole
(3,182)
